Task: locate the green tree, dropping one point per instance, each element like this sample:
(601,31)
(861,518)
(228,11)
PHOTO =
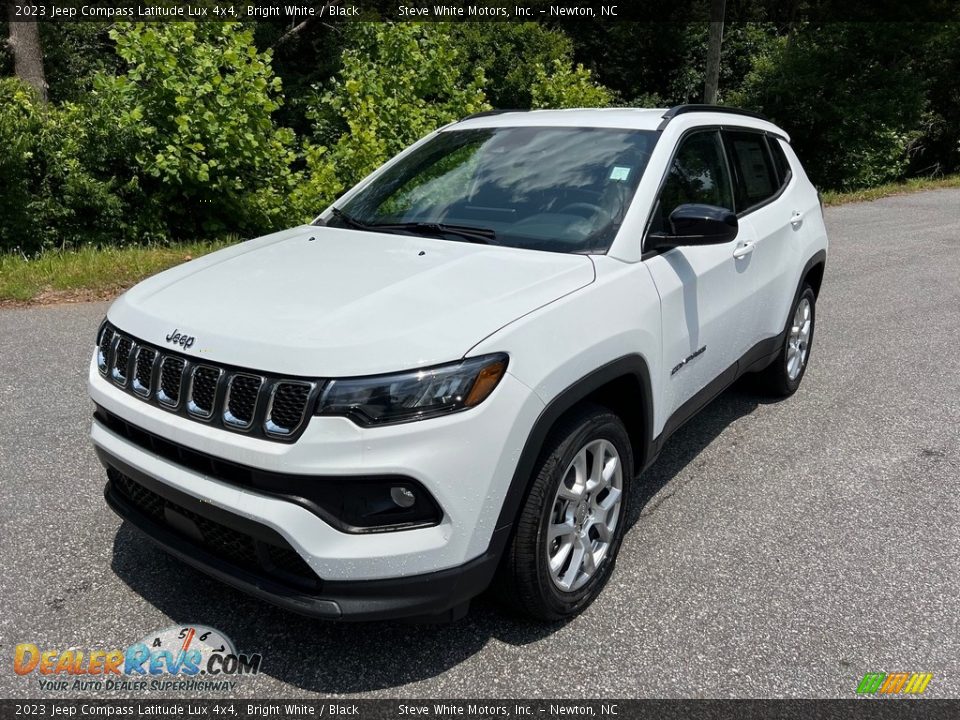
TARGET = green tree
(848,94)
(398,82)
(564,86)
(198,98)
(511,56)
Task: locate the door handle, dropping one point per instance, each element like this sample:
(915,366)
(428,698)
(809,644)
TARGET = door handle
(744,250)
(796,218)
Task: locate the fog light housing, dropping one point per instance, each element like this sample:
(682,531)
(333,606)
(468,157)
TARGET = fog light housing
(402,496)
(384,505)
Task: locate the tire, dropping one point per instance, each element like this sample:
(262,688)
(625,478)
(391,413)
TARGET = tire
(525,579)
(782,377)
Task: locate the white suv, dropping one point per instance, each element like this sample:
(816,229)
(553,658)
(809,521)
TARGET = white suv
(457,374)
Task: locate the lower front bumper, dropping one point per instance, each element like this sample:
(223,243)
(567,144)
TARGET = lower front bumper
(439,595)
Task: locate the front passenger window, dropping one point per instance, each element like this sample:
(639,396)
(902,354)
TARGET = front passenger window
(698,174)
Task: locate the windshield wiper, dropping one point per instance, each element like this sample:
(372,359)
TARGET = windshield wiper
(349,219)
(481,235)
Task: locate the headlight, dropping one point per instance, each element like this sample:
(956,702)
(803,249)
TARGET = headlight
(413,395)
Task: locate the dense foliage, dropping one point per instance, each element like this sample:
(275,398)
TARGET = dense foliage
(164,132)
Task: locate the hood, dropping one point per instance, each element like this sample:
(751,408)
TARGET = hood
(327,302)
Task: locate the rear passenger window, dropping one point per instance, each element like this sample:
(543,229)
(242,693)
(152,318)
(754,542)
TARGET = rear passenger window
(780,162)
(756,178)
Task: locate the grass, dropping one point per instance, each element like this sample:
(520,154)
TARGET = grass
(89,273)
(832,197)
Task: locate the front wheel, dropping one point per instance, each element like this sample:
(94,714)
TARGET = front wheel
(782,377)
(573,520)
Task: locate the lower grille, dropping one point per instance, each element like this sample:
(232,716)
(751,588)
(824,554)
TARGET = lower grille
(238,548)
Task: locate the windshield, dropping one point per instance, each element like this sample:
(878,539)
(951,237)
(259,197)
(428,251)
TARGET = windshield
(545,188)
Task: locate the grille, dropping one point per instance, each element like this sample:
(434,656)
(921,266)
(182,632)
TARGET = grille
(229,544)
(171,378)
(103,349)
(241,402)
(270,407)
(143,375)
(121,359)
(286,407)
(203,390)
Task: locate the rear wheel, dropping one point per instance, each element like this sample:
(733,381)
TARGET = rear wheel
(572,522)
(782,377)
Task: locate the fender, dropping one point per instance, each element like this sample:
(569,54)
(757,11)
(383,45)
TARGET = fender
(628,365)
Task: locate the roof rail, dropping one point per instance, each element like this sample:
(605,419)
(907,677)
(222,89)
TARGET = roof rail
(684,109)
(487,113)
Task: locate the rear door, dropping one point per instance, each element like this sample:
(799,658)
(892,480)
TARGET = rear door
(705,291)
(765,203)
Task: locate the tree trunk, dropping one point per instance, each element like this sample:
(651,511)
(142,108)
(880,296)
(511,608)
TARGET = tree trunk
(712,79)
(27,54)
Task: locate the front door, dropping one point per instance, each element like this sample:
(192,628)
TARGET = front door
(705,291)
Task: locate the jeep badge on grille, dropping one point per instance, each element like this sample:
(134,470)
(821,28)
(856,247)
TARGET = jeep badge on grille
(178,338)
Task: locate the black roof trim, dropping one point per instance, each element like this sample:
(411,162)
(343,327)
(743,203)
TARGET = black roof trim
(684,109)
(488,113)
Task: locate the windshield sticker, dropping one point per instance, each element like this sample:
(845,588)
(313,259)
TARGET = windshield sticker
(619,173)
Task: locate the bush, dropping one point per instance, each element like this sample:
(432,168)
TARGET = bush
(20,124)
(197,100)
(65,179)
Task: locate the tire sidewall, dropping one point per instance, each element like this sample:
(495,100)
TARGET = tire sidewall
(792,385)
(605,426)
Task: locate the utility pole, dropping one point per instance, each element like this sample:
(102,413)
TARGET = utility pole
(712,80)
(27,53)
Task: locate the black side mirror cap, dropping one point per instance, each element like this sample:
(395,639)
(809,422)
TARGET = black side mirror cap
(695,224)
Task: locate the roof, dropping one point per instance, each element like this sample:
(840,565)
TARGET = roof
(633,118)
(625,118)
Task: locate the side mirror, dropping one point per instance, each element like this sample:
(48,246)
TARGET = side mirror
(694,224)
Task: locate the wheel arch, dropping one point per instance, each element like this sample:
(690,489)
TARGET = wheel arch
(813,272)
(622,385)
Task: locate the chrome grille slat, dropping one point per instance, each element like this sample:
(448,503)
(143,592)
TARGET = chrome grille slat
(288,403)
(202,395)
(240,403)
(171,381)
(120,366)
(262,405)
(142,381)
(104,347)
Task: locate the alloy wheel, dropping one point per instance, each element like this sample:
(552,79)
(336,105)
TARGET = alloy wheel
(798,340)
(584,515)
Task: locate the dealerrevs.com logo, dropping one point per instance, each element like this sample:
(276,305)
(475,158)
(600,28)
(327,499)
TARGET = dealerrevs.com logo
(898,683)
(176,658)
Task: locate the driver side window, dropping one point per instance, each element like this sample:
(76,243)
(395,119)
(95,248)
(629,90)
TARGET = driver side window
(698,174)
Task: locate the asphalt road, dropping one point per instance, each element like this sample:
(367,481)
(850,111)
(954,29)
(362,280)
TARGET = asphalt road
(780,550)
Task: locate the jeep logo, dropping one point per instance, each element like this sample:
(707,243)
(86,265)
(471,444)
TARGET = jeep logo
(178,338)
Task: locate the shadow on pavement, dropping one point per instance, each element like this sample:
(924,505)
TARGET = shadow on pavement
(351,658)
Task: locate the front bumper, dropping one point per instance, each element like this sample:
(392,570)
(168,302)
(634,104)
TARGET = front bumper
(439,595)
(465,461)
